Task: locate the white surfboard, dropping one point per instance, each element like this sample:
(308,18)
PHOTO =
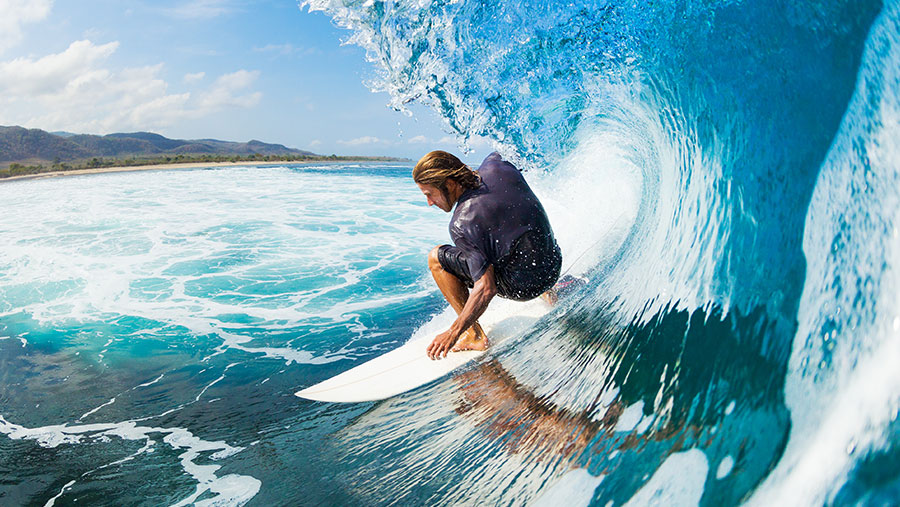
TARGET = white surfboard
(408,366)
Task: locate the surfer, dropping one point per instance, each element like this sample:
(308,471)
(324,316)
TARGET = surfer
(503,243)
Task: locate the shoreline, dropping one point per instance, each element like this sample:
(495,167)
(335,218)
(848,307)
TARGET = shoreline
(159,167)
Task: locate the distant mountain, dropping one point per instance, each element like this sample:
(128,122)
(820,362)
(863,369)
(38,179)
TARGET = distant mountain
(35,146)
(19,144)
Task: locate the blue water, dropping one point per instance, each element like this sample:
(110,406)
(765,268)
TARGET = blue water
(725,174)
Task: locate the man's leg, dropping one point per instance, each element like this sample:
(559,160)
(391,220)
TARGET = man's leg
(456,293)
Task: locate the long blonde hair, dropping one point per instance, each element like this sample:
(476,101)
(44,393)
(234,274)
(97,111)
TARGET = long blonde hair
(438,166)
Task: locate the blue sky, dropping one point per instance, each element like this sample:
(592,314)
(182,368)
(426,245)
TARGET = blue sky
(226,69)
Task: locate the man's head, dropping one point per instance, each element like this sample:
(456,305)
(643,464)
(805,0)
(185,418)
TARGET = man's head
(442,178)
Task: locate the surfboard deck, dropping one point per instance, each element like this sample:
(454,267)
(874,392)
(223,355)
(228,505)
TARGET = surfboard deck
(408,367)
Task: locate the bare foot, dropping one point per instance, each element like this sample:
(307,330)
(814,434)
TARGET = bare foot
(550,297)
(471,340)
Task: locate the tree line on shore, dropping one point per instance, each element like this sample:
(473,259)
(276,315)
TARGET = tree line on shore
(18,169)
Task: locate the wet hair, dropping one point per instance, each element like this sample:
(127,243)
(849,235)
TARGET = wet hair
(437,167)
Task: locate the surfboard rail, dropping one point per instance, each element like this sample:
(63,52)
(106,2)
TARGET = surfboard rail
(408,366)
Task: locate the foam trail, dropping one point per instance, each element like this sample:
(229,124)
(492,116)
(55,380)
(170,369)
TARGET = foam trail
(157,379)
(230,489)
(53,500)
(110,402)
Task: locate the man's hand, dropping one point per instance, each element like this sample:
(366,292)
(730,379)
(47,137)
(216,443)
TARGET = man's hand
(442,344)
(477,302)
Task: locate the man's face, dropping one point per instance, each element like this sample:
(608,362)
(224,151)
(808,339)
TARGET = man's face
(435,197)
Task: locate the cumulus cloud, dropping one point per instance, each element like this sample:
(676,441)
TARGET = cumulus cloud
(198,9)
(287,49)
(74,90)
(226,91)
(194,77)
(64,72)
(14,14)
(359,141)
(418,140)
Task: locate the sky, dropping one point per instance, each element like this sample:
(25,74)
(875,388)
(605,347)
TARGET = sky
(233,70)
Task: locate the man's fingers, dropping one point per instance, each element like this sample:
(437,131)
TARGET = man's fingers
(440,346)
(433,350)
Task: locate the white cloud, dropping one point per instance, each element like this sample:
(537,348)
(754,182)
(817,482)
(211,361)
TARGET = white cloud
(193,78)
(14,14)
(224,91)
(315,142)
(53,74)
(197,9)
(75,91)
(418,140)
(287,49)
(359,141)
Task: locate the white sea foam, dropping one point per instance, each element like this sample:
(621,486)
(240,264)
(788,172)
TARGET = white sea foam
(630,417)
(53,500)
(592,201)
(575,488)
(725,467)
(157,379)
(677,482)
(183,249)
(89,412)
(230,489)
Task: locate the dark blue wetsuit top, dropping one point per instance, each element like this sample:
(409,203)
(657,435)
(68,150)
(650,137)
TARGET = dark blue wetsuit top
(502,223)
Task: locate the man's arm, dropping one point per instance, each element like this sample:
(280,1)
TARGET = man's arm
(484,290)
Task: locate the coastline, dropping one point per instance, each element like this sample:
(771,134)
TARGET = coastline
(153,167)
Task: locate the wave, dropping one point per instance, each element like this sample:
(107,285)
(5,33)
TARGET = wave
(729,169)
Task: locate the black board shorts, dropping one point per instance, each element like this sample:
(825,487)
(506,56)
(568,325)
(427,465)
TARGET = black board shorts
(530,268)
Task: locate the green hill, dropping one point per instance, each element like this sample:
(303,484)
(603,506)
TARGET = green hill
(35,146)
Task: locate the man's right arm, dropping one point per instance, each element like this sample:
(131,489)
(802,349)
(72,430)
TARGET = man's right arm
(484,290)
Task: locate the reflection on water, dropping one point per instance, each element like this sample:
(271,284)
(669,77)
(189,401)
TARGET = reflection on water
(682,380)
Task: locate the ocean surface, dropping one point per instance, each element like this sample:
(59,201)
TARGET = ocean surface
(725,174)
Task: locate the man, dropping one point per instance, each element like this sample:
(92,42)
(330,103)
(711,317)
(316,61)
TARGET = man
(503,243)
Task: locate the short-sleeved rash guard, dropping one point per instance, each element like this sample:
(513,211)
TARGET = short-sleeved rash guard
(489,219)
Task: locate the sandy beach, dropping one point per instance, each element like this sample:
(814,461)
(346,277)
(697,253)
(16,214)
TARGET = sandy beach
(153,167)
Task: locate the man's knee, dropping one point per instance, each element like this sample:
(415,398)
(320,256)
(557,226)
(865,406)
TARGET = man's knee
(434,263)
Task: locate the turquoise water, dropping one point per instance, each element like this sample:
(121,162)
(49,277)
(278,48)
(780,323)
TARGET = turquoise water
(155,325)
(725,174)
